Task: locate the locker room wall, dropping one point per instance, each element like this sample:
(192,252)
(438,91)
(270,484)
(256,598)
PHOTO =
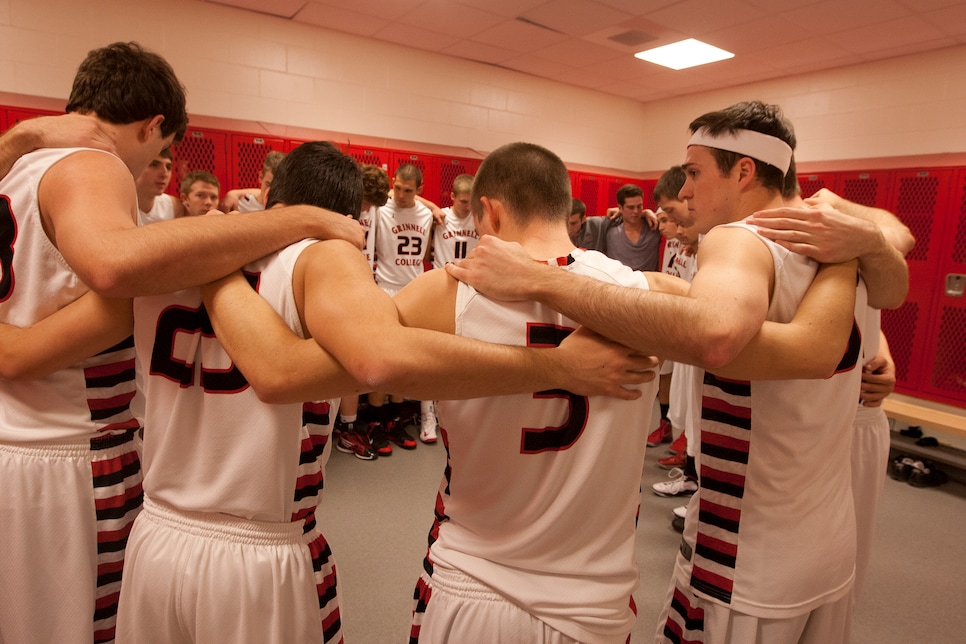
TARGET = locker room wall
(280,76)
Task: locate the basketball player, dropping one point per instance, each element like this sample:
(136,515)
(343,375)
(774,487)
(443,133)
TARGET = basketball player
(527,557)
(67,456)
(832,229)
(153,204)
(231,483)
(403,228)
(773,456)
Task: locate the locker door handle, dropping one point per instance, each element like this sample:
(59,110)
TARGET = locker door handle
(955,285)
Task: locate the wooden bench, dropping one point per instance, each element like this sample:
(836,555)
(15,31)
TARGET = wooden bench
(914,413)
(931,417)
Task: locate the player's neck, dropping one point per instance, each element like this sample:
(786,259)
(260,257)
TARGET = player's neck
(545,241)
(752,201)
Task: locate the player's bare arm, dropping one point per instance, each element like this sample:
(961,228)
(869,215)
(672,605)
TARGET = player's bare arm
(387,356)
(812,343)
(724,308)
(829,235)
(280,366)
(878,376)
(81,329)
(89,207)
(808,346)
(65,131)
(584,362)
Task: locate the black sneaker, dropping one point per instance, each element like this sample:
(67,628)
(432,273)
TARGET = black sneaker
(398,434)
(377,438)
(925,474)
(900,468)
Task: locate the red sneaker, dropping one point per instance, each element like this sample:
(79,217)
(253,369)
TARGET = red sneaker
(351,442)
(660,435)
(675,460)
(679,445)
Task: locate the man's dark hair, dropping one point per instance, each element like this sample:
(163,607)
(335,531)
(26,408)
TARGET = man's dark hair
(578,207)
(790,187)
(318,174)
(627,191)
(748,115)
(531,181)
(670,184)
(124,83)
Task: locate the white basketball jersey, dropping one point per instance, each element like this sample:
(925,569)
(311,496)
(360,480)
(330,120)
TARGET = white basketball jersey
(162,210)
(454,239)
(90,398)
(771,531)
(540,497)
(210,444)
(402,236)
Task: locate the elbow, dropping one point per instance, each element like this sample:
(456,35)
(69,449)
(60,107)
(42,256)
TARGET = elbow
(889,301)
(13,370)
(380,371)
(275,387)
(109,281)
(715,353)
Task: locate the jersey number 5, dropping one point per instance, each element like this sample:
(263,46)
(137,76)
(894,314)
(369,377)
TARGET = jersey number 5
(561,437)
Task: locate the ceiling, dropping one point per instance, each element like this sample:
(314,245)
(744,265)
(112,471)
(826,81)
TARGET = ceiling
(590,43)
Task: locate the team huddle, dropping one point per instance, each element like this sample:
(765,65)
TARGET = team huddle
(173,389)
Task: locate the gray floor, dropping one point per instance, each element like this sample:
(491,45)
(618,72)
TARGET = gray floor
(377,514)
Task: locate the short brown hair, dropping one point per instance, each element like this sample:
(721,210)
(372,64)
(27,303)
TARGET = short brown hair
(531,181)
(462,184)
(670,184)
(272,159)
(123,83)
(198,175)
(748,115)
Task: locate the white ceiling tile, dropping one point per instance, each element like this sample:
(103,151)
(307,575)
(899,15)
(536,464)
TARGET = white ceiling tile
(575,17)
(518,36)
(340,19)
(771,39)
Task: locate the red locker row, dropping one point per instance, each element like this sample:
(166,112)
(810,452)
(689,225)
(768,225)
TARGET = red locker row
(927,334)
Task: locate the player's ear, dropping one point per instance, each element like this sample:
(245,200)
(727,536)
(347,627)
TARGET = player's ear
(494,211)
(746,169)
(150,125)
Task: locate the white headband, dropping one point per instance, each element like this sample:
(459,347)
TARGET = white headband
(764,147)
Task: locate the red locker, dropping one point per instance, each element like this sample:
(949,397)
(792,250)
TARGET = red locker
(372,156)
(592,190)
(812,183)
(944,378)
(447,169)
(918,198)
(17,114)
(201,149)
(247,154)
(866,188)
